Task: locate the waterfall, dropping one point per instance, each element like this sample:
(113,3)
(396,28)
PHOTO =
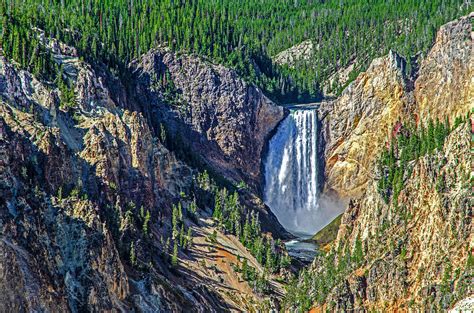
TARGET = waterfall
(291,173)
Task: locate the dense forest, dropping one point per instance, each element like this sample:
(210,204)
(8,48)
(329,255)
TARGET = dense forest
(242,35)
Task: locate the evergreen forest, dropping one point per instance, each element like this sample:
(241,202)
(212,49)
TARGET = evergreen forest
(244,35)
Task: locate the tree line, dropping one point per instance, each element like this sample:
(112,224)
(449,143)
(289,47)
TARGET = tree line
(241,35)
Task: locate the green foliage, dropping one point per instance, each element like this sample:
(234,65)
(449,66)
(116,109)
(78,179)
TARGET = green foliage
(358,254)
(228,213)
(245,269)
(213,237)
(441,183)
(113,186)
(66,93)
(75,192)
(60,193)
(242,185)
(189,239)
(192,208)
(217,213)
(146,221)
(243,35)
(285,261)
(408,144)
(261,284)
(174,256)
(470,261)
(314,287)
(446,281)
(181,237)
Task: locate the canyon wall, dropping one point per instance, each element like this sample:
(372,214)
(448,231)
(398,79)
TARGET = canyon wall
(76,181)
(417,249)
(218,115)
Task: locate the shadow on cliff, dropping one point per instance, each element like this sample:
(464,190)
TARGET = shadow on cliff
(197,150)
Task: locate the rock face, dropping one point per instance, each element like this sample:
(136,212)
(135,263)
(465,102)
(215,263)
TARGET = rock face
(416,254)
(294,54)
(60,181)
(77,185)
(356,125)
(223,119)
(445,85)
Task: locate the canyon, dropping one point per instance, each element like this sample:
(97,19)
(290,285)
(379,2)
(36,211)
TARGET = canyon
(90,194)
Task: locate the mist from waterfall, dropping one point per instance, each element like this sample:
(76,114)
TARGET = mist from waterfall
(291,174)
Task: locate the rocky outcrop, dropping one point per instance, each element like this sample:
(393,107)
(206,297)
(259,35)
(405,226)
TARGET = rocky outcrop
(212,117)
(356,125)
(214,112)
(63,183)
(297,53)
(339,79)
(416,254)
(445,85)
(413,252)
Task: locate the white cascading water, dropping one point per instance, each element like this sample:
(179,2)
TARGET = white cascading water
(291,173)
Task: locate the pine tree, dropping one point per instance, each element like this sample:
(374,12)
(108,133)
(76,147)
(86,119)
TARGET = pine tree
(193,207)
(174,222)
(358,255)
(146,222)
(174,256)
(247,231)
(189,239)
(217,214)
(470,261)
(431,136)
(180,212)
(245,269)
(60,193)
(182,237)
(269,260)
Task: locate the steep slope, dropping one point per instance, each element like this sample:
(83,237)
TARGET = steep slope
(61,182)
(222,118)
(356,125)
(445,83)
(415,254)
(97,214)
(211,117)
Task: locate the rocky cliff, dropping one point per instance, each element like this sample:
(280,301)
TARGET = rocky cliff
(87,189)
(219,116)
(298,53)
(356,125)
(416,253)
(445,85)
